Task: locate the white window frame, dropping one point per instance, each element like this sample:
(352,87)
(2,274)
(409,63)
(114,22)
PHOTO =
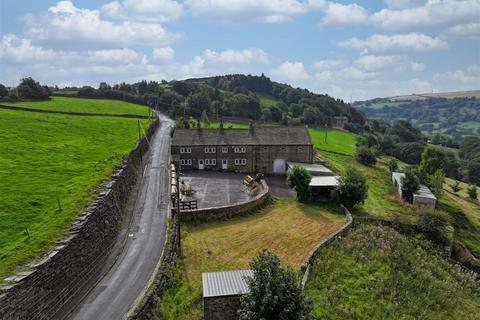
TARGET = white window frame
(186,150)
(186,162)
(210,162)
(224,149)
(240,162)
(240,149)
(210,150)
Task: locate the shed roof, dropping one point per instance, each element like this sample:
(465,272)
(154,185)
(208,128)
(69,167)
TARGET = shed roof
(225,283)
(314,168)
(324,181)
(256,136)
(424,192)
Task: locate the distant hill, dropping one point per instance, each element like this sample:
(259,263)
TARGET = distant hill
(453,114)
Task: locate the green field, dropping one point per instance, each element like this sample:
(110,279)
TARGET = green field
(43,156)
(377,273)
(287,228)
(267,100)
(84,105)
(336,140)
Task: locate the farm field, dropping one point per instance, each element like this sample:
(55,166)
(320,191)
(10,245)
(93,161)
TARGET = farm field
(337,140)
(43,156)
(377,273)
(287,228)
(84,105)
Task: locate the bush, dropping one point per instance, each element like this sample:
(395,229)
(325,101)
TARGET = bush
(299,179)
(436,182)
(352,188)
(31,89)
(410,185)
(436,224)
(365,156)
(472,192)
(274,292)
(393,165)
(456,187)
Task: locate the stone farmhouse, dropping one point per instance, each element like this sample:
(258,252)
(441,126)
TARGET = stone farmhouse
(256,149)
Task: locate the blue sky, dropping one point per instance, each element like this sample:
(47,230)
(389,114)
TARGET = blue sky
(348,49)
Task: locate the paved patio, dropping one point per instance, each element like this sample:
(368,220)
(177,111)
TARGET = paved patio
(213,189)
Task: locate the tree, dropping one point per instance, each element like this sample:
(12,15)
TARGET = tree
(352,188)
(393,165)
(31,89)
(433,159)
(311,115)
(436,182)
(274,292)
(455,187)
(299,179)
(365,156)
(204,119)
(3,91)
(472,192)
(410,185)
(451,165)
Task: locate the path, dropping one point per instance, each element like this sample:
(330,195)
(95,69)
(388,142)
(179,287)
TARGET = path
(138,250)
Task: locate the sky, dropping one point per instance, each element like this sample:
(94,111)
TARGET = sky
(353,50)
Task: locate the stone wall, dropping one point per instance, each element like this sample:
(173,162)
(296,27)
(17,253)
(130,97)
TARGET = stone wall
(307,264)
(221,308)
(42,291)
(224,212)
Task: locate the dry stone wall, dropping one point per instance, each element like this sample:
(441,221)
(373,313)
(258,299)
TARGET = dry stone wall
(40,292)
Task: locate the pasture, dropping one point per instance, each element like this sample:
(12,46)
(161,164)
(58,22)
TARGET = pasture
(84,105)
(334,140)
(45,156)
(287,228)
(377,273)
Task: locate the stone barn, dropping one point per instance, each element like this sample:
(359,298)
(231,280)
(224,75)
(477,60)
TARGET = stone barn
(423,197)
(221,293)
(256,149)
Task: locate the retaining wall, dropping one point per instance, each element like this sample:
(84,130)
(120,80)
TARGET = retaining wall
(224,212)
(40,292)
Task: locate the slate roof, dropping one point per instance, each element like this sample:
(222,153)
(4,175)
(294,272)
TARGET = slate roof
(225,283)
(314,168)
(280,136)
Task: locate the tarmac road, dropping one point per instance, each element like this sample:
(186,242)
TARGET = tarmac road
(138,251)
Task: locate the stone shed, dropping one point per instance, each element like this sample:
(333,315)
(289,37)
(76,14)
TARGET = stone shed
(423,197)
(221,293)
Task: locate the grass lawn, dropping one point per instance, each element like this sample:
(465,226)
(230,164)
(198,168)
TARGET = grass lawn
(43,156)
(377,273)
(287,228)
(337,140)
(84,105)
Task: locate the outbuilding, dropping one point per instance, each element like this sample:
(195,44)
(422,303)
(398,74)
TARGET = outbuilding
(222,292)
(323,186)
(423,197)
(315,169)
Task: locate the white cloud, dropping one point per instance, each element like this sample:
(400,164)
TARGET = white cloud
(468,30)
(17,50)
(229,56)
(154,11)
(66,23)
(402,4)
(329,64)
(375,63)
(417,67)
(163,54)
(461,79)
(339,14)
(434,14)
(291,71)
(410,42)
(243,11)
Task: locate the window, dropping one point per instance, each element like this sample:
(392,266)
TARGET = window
(224,149)
(210,149)
(186,150)
(240,149)
(240,162)
(300,148)
(186,162)
(210,162)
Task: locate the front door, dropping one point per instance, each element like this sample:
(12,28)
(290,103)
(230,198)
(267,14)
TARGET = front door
(200,164)
(224,164)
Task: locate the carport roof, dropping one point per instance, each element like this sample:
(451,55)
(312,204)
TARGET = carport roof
(227,137)
(225,283)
